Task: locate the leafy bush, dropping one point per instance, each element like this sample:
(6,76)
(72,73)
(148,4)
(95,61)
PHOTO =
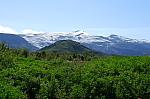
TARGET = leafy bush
(9,92)
(6,57)
(112,77)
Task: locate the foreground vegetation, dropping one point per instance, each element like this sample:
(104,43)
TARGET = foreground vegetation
(45,76)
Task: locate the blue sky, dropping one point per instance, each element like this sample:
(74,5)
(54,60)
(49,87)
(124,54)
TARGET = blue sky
(130,18)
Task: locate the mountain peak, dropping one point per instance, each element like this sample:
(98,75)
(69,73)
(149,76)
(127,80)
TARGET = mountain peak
(113,35)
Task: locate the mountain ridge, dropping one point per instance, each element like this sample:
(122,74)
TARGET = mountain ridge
(112,44)
(15,41)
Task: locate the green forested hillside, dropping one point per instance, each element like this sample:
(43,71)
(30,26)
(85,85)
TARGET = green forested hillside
(66,46)
(30,75)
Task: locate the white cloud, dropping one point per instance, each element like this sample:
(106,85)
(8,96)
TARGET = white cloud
(136,33)
(9,30)
(6,29)
(27,31)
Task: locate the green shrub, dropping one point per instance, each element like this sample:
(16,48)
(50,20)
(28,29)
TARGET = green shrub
(6,57)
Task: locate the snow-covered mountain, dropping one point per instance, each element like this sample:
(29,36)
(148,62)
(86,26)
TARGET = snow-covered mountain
(44,39)
(112,44)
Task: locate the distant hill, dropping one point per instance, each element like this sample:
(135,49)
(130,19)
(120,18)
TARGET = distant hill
(66,46)
(15,41)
